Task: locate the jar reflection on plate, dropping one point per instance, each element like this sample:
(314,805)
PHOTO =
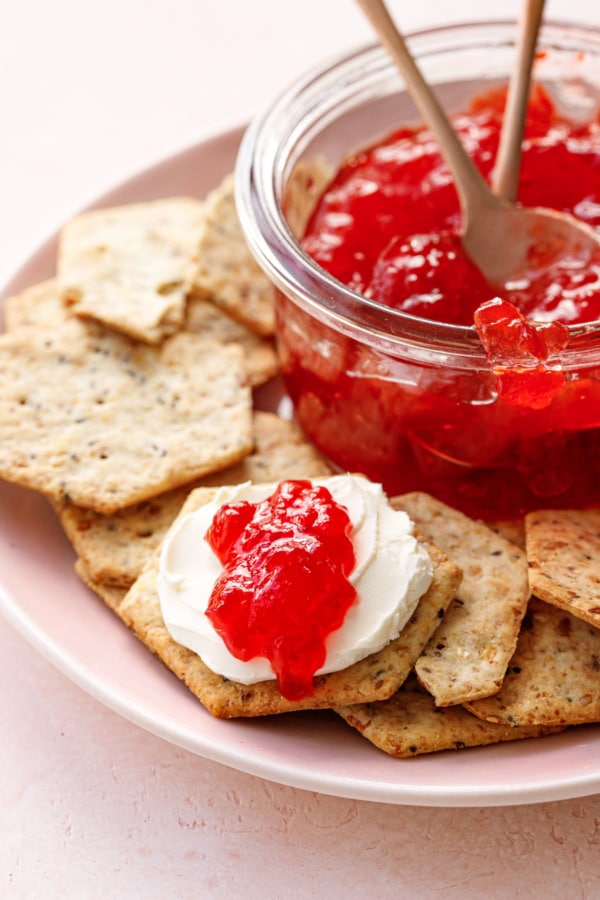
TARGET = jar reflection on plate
(408,401)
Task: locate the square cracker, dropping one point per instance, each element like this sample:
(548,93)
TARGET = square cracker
(554,675)
(114,548)
(105,422)
(409,724)
(468,655)
(227,272)
(131,267)
(563,550)
(374,678)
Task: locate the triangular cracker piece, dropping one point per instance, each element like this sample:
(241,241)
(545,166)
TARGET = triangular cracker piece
(468,655)
(227,272)
(115,548)
(409,724)
(376,677)
(563,549)
(554,675)
(131,267)
(102,421)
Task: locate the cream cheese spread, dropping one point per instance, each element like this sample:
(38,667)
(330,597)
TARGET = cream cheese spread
(391,573)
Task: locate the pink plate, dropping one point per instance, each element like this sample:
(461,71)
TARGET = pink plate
(43,598)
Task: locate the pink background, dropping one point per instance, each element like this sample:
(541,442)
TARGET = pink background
(92,805)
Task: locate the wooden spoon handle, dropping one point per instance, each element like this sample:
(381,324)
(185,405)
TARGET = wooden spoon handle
(505,180)
(472,188)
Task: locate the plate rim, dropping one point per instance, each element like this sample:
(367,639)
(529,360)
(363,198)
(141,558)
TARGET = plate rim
(125,704)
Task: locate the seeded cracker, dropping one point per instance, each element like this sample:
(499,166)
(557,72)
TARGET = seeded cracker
(512,530)
(112,596)
(104,422)
(409,724)
(563,549)
(132,267)
(227,272)
(468,655)
(554,675)
(37,307)
(374,678)
(114,548)
(206,319)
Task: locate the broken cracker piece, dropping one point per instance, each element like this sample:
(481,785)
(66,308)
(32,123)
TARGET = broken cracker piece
(468,655)
(554,675)
(131,267)
(563,550)
(410,724)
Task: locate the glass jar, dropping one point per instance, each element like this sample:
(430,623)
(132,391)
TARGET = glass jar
(411,402)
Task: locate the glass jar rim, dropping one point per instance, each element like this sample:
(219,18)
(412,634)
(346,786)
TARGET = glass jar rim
(264,157)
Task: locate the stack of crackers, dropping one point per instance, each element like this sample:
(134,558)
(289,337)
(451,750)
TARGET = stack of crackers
(127,399)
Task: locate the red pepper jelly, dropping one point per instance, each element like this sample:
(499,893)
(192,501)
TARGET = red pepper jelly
(494,437)
(285,584)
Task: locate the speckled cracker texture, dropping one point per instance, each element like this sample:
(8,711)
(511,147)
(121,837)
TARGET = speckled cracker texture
(206,319)
(410,724)
(227,272)
(104,422)
(563,549)
(374,678)
(115,548)
(468,655)
(131,267)
(38,307)
(554,675)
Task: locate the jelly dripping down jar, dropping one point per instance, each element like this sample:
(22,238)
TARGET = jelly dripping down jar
(340,191)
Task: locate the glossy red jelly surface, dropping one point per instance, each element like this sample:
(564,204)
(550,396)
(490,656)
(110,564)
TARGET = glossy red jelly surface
(388,223)
(284,587)
(518,434)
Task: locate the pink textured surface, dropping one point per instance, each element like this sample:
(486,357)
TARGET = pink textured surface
(93,805)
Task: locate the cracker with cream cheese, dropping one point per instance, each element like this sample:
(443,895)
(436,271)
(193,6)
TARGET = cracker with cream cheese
(131,267)
(114,548)
(374,678)
(468,655)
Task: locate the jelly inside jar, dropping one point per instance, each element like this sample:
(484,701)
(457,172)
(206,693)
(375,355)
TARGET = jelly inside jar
(483,439)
